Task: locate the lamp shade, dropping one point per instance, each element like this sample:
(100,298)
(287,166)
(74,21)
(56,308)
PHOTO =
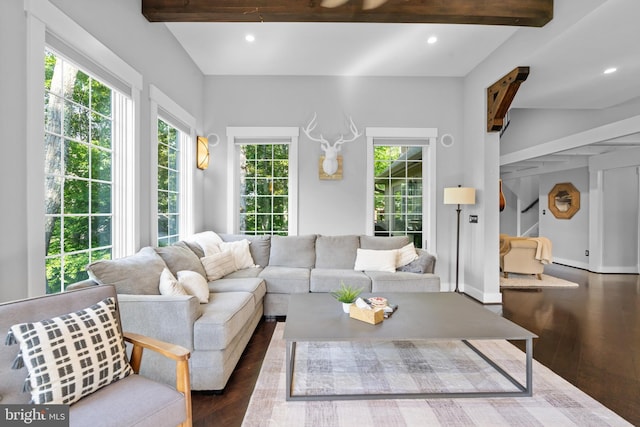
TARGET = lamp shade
(460,196)
(202,153)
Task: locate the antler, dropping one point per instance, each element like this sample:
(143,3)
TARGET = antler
(310,127)
(354,130)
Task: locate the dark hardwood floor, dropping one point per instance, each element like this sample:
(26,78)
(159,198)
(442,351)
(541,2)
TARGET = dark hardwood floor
(588,335)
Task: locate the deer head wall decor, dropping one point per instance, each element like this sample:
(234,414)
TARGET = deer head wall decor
(330,162)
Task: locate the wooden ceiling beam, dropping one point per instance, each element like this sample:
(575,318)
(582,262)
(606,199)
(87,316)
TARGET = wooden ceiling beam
(527,13)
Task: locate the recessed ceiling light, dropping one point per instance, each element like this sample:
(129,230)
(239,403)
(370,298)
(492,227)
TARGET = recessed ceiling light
(610,70)
(250,38)
(432,39)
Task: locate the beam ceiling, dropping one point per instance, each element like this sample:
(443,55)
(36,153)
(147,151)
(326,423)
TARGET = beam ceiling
(528,13)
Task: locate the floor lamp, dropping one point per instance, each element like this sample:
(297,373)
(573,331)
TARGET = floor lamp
(459,196)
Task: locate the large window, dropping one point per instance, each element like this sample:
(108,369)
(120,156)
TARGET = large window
(81,142)
(78,152)
(264,189)
(401,184)
(168,184)
(174,158)
(263,174)
(398,191)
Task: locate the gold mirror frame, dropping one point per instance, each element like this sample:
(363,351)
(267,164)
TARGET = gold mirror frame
(564,200)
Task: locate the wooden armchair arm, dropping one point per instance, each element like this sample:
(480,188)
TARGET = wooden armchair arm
(178,353)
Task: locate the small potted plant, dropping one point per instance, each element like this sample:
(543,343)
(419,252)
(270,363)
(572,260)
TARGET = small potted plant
(347,295)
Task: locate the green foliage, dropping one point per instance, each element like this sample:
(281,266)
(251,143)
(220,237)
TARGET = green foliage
(264,192)
(78,172)
(346,293)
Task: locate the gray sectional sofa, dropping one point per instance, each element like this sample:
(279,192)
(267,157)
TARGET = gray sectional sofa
(217,331)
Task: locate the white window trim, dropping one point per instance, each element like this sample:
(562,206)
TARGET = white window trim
(288,135)
(43,17)
(425,137)
(159,102)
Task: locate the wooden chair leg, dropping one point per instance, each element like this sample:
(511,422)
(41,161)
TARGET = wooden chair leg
(539,276)
(506,275)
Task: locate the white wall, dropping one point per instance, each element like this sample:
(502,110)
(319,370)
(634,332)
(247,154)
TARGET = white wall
(530,127)
(620,220)
(13,162)
(570,237)
(520,193)
(149,48)
(335,207)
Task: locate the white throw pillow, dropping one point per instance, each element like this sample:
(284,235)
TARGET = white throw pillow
(208,241)
(406,254)
(241,253)
(169,285)
(194,284)
(376,260)
(218,265)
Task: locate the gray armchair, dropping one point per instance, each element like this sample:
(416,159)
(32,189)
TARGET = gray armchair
(127,401)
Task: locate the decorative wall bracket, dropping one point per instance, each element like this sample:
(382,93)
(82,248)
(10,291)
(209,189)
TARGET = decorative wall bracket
(501,94)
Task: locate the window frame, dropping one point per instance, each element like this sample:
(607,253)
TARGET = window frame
(421,137)
(45,23)
(237,136)
(164,108)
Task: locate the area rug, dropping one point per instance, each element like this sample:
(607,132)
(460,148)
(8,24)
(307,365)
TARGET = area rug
(530,281)
(346,366)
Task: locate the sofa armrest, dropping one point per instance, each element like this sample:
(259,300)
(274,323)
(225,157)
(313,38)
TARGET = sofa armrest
(178,353)
(167,318)
(87,283)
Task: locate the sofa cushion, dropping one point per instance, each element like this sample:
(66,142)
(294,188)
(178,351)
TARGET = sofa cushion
(382,281)
(330,279)
(73,355)
(240,251)
(245,273)
(194,284)
(255,285)
(384,242)
(224,317)
(136,274)
(179,257)
(293,251)
(160,405)
(193,246)
(259,247)
(169,285)
(406,254)
(219,265)
(286,280)
(376,260)
(208,241)
(336,251)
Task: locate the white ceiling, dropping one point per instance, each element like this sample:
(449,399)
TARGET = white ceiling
(566,69)
(338,49)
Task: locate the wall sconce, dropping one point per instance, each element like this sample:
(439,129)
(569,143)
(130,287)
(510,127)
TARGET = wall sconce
(202,150)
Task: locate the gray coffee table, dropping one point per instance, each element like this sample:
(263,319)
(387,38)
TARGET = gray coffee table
(420,316)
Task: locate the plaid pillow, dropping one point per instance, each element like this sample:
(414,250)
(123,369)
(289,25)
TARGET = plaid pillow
(73,355)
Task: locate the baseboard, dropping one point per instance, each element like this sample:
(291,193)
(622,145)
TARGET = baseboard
(571,263)
(598,269)
(485,298)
